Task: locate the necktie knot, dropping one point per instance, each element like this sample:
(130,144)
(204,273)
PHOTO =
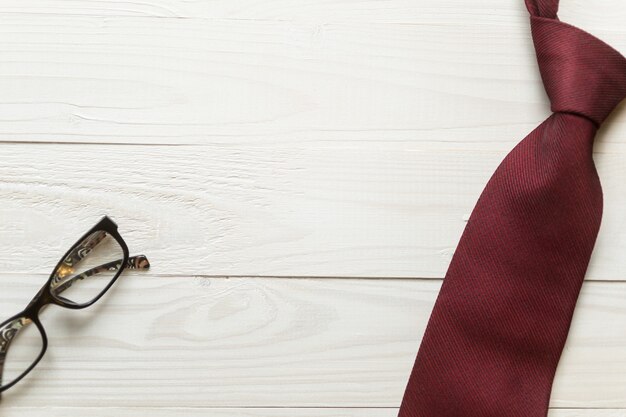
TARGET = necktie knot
(581,74)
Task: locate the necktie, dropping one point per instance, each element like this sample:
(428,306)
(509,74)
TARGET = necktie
(501,319)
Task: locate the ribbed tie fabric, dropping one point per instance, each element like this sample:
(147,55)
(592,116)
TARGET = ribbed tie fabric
(501,319)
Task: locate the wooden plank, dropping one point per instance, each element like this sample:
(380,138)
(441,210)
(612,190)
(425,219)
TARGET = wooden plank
(85,79)
(592,13)
(250,342)
(91,79)
(587,413)
(372,209)
(250,412)
(108,411)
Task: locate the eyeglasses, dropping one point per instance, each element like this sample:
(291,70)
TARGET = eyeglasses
(81,278)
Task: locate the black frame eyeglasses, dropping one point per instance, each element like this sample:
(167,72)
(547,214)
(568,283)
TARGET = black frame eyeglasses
(82,276)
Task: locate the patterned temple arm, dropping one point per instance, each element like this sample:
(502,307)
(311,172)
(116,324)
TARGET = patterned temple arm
(82,250)
(135,262)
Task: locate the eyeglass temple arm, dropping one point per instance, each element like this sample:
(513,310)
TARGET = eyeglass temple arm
(134,262)
(80,251)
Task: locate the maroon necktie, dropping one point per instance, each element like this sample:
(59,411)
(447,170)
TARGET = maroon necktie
(498,327)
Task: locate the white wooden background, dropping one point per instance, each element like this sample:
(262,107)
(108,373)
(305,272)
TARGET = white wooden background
(299,172)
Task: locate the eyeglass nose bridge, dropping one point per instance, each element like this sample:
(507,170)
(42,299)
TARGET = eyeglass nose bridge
(39,301)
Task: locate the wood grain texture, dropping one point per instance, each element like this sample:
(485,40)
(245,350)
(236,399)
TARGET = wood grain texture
(254,412)
(590,13)
(214,412)
(372,209)
(251,342)
(453,76)
(153,80)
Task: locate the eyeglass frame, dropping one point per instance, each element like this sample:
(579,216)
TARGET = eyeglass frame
(45,296)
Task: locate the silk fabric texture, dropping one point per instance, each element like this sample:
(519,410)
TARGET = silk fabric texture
(496,333)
